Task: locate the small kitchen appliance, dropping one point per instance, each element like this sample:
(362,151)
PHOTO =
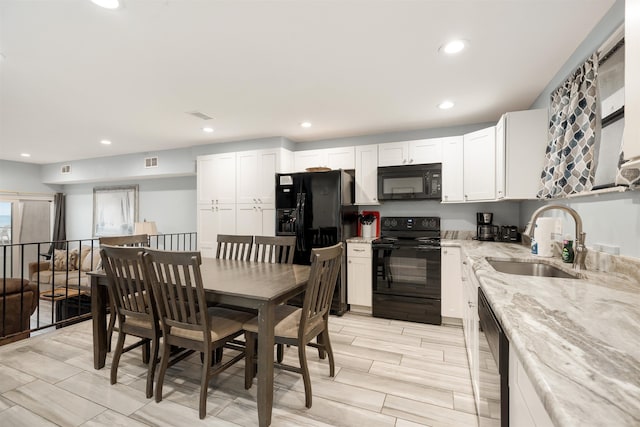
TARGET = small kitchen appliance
(486,231)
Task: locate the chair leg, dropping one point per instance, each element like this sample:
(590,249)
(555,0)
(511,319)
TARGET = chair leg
(164,362)
(152,366)
(327,346)
(280,353)
(112,325)
(218,354)
(204,382)
(116,357)
(249,359)
(321,352)
(146,348)
(302,355)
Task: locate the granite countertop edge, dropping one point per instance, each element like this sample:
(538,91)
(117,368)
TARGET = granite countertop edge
(585,372)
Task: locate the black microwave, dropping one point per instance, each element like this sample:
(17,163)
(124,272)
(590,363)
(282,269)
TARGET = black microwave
(411,182)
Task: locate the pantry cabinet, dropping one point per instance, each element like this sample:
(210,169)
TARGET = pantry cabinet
(451,282)
(255,219)
(410,152)
(479,163)
(359,277)
(256,175)
(214,220)
(452,169)
(366,172)
(216,180)
(521,141)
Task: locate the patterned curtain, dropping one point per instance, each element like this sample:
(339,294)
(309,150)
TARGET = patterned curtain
(572,134)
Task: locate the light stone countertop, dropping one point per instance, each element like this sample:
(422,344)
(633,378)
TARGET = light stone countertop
(361,239)
(578,339)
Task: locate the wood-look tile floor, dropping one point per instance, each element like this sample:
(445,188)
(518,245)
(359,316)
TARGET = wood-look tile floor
(388,373)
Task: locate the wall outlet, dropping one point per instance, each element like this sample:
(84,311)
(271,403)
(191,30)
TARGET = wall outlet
(608,249)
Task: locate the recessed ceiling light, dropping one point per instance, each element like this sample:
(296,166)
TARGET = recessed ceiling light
(453,47)
(107,4)
(445,105)
(105,142)
(305,124)
(25,155)
(207,129)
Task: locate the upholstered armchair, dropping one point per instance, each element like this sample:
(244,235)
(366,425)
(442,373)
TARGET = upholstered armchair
(15,293)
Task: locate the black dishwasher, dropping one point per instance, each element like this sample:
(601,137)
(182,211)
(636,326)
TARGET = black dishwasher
(493,384)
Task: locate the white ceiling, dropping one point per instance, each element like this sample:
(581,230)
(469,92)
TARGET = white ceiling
(74,73)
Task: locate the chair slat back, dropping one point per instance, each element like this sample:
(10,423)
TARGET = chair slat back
(325,267)
(134,240)
(125,276)
(177,283)
(274,249)
(234,247)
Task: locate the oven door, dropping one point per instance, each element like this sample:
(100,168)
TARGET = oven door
(410,270)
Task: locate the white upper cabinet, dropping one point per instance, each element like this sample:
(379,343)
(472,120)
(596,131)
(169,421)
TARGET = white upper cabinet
(216,180)
(631,138)
(479,161)
(334,158)
(256,172)
(452,169)
(521,140)
(410,152)
(367,174)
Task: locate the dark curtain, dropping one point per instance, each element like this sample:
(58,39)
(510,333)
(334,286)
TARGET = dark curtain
(59,225)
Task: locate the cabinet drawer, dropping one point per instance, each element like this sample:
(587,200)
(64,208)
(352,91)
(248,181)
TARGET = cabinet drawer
(361,250)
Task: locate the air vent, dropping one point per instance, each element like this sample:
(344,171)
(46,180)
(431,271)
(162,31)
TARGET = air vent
(199,115)
(151,162)
(66,169)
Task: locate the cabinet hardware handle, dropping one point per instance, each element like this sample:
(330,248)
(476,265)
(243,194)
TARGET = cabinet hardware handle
(358,250)
(349,261)
(410,160)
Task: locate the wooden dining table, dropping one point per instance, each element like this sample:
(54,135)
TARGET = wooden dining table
(247,284)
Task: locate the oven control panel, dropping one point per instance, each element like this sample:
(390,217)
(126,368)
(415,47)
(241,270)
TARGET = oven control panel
(417,223)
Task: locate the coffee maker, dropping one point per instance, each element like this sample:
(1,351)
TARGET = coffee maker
(486,231)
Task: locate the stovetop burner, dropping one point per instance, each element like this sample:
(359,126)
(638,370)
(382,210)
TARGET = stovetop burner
(410,231)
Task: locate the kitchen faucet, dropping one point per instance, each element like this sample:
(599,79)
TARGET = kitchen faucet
(580,249)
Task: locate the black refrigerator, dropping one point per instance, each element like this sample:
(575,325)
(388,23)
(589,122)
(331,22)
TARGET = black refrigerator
(317,208)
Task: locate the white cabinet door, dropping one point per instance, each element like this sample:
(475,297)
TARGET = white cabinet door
(247,222)
(367,174)
(525,406)
(521,141)
(268,218)
(359,286)
(480,165)
(268,166)
(224,178)
(393,153)
(247,176)
(340,158)
(425,151)
(308,159)
(451,282)
(631,138)
(206,179)
(214,220)
(452,169)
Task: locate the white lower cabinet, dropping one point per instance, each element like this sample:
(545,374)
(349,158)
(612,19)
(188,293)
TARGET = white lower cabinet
(525,407)
(451,282)
(255,220)
(214,220)
(359,284)
(470,323)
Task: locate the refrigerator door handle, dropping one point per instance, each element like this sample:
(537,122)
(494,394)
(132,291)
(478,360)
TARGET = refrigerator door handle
(301,225)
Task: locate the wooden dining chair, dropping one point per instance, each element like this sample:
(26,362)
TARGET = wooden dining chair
(185,319)
(133,306)
(299,326)
(234,247)
(274,249)
(136,240)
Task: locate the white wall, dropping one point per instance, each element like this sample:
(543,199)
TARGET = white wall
(23,178)
(170,202)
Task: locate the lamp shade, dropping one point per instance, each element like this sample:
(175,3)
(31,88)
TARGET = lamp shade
(147,227)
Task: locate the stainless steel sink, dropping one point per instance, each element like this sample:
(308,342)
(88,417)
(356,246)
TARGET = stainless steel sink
(530,268)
